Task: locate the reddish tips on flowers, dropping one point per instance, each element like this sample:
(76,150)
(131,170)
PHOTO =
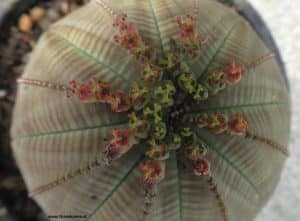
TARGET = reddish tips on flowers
(99,91)
(233,73)
(123,140)
(112,152)
(238,125)
(104,92)
(217,123)
(153,170)
(120,102)
(187,28)
(123,137)
(201,167)
(86,91)
(156,151)
(191,42)
(91,90)
(128,35)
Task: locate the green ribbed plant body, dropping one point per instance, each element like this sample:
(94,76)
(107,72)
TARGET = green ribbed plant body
(58,142)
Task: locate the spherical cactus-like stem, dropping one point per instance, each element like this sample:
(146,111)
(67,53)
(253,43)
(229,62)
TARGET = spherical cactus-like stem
(173,113)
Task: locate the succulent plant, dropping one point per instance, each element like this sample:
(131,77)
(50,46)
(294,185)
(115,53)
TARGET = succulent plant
(152,110)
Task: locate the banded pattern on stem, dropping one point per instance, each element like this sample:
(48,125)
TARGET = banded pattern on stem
(59,142)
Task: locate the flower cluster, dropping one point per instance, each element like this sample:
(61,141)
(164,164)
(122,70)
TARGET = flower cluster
(156,106)
(190,39)
(123,140)
(95,90)
(195,151)
(219,123)
(129,38)
(217,80)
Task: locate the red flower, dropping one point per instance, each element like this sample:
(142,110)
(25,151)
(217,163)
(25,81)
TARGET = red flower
(120,102)
(233,73)
(123,137)
(201,167)
(91,90)
(128,35)
(153,170)
(187,28)
(123,140)
(86,91)
(104,91)
(238,125)
(112,152)
(217,123)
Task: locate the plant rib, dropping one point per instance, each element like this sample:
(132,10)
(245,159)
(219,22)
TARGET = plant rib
(179,188)
(229,162)
(220,201)
(259,61)
(271,143)
(91,56)
(220,45)
(134,166)
(157,27)
(59,132)
(81,171)
(233,107)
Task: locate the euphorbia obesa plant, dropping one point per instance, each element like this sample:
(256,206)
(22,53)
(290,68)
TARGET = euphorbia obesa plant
(152,110)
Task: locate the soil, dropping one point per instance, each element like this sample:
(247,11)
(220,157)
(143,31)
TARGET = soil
(18,38)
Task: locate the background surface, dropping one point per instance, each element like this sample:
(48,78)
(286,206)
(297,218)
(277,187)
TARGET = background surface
(283,19)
